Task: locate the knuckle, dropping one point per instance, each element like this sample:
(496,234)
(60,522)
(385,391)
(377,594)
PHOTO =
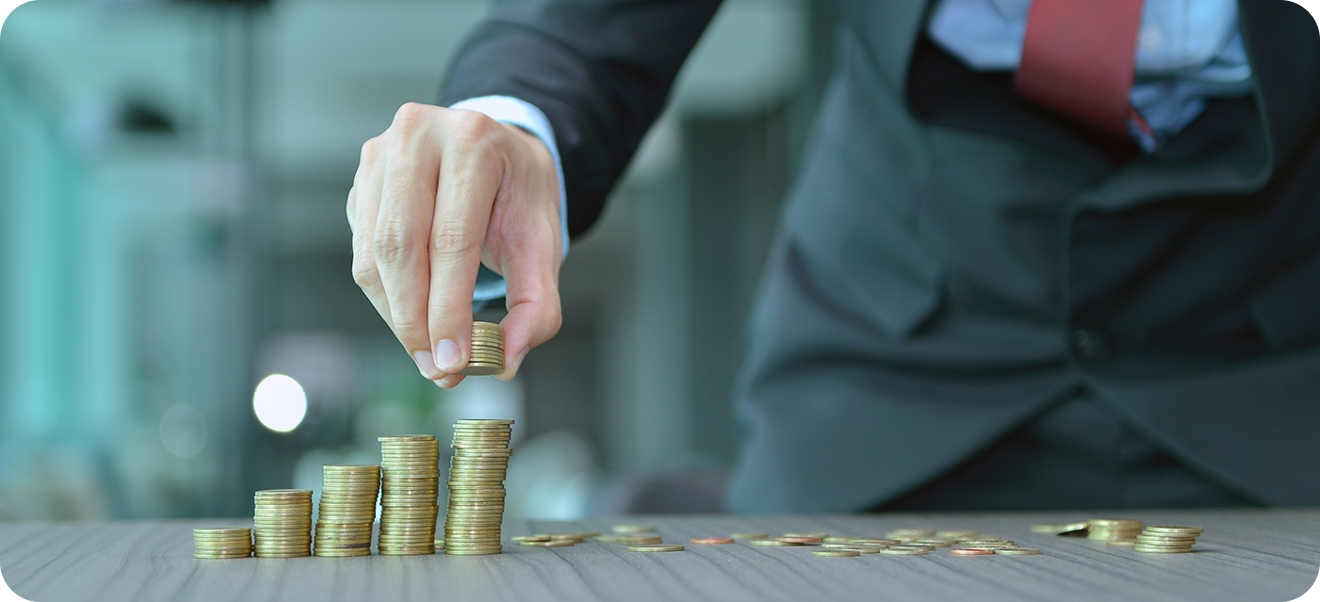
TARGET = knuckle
(393,242)
(453,238)
(369,150)
(364,272)
(472,128)
(410,116)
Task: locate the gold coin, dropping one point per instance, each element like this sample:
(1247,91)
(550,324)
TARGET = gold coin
(1174,530)
(1018,552)
(1058,529)
(657,547)
(482,370)
(771,542)
(633,540)
(549,543)
(749,535)
(222,532)
(1158,550)
(897,551)
(836,553)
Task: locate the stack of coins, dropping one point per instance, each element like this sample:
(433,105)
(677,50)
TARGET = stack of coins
(283,523)
(410,484)
(487,350)
(222,543)
(1113,529)
(1163,539)
(347,509)
(476,486)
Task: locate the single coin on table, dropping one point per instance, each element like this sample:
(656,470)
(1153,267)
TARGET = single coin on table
(900,551)
(1018,552)
(972,552)
(711,541)
(749,535)
(836,553)
(656,547)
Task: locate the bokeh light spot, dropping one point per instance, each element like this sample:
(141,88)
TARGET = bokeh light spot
(183,430)
(279,403)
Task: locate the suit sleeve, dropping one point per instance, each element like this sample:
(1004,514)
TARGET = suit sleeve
(600,70)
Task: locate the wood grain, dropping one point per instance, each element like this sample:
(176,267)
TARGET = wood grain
(1248,555)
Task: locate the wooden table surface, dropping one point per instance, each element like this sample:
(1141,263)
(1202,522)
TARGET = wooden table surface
(1255,555)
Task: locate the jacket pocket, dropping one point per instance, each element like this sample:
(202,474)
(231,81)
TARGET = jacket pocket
(1287,308)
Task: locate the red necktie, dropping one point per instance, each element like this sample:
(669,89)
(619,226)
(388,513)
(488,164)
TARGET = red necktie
(1079,58)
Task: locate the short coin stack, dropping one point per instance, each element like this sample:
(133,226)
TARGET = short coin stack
(487,350)
(1164,539)
(222,542)
(1113,529)
(347,510)
(476,486)
(283,523)
(410,484)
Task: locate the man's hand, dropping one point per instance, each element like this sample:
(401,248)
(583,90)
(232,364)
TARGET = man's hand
(435,196)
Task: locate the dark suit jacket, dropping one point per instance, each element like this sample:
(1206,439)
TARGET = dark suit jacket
(972,257)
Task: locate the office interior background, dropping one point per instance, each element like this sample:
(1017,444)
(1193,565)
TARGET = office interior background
(178,322)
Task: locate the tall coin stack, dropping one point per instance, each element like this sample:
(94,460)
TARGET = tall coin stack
(1113,529)
(487,350)
(222,542)
(476,486)
(283,523)
(410,484)
(347,509)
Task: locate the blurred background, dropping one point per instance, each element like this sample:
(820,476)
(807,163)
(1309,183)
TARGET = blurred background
(178,322)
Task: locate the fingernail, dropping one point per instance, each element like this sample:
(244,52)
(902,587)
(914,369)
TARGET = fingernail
(447,356)
(448,382)
(425,364)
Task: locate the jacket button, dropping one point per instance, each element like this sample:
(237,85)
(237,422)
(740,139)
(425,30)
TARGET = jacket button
(1091,346)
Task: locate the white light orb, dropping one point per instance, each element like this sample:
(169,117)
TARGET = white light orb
(279,403)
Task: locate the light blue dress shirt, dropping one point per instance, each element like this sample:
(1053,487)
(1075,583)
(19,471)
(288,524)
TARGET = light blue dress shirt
(1187,51)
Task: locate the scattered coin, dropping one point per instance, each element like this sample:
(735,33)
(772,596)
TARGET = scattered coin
(971,552)
(836,553)
(552,543)
(771,542)
(711,541)
(629,529)
(1018,552)
(799,539)
(902,551)
(530,538)
(1108,529)
(749,535)
(638,540)
(656,547)
(1058,529)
